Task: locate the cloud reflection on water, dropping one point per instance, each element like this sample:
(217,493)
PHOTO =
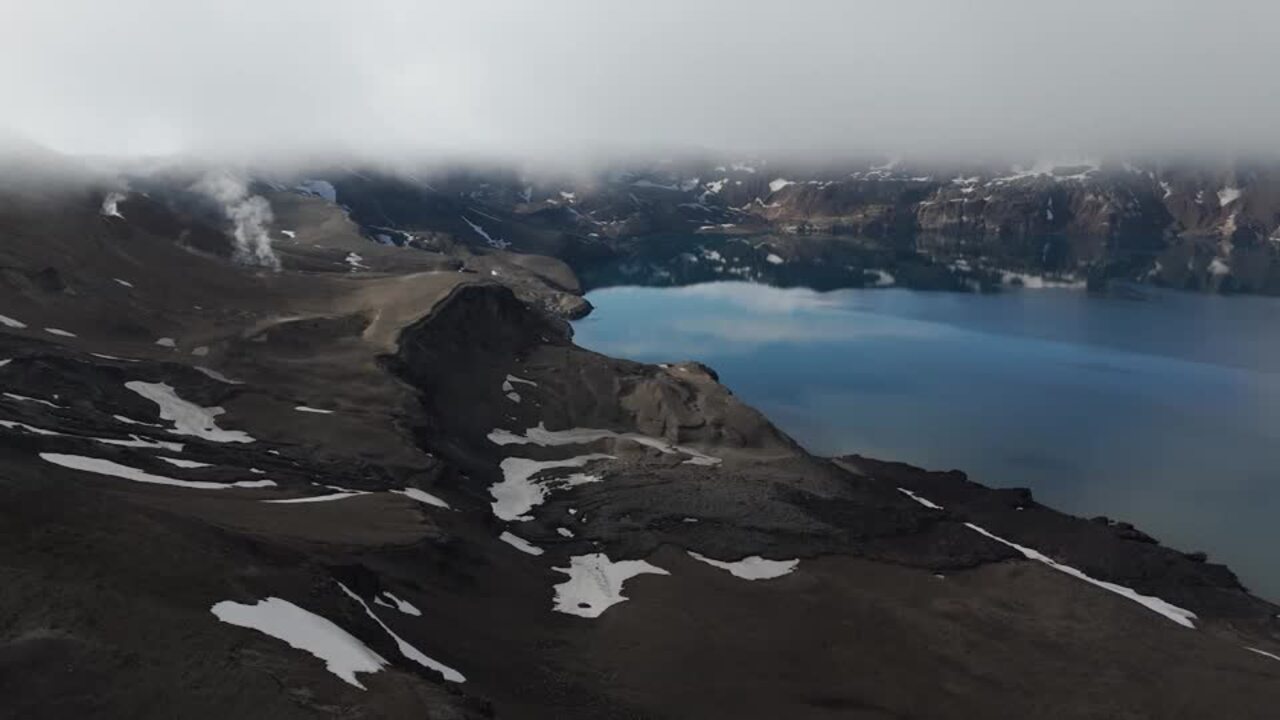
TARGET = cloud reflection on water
(737,318)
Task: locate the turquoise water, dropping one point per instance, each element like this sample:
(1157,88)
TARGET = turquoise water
(1162,409)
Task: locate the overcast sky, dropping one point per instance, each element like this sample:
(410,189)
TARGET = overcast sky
(575,78)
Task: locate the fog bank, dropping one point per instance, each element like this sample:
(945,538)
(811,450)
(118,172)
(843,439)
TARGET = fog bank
(571,79)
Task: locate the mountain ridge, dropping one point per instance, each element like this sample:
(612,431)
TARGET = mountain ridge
(1187,226)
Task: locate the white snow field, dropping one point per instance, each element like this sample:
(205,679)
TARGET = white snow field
(595,583)
(540,435)
(520,544)
(518,493)
(342,653)
(114,469)
(751,568)
(187,418)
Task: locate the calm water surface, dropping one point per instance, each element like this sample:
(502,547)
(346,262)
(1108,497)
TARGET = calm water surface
(1163,410)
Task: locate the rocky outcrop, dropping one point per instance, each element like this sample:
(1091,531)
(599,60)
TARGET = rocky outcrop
(479,333)
(1101,547)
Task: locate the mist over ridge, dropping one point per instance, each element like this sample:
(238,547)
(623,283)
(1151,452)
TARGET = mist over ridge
(576,83)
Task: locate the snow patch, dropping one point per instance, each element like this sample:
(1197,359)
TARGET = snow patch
(1179,615)
(1263,653)
(315,411)
(654,186)
(15,425)
(59,333)
(188,418)
(179,462)
(540,435)
(1055,170)
(423,496)
(927,503)
(167,342)
(10,322)
(113,357)
(1228,195)
(883,279)
(774,259)
(113,469)
(28,398)
(211,373)
(343,654)
(125,283)
(405,648)
(140,442)
(595,583)
(509,388)
(751,568)
(134,442)
(518,493)
(499,243)
(396,603)
(520,544)
(778,184)
(1039,282)
(318,498)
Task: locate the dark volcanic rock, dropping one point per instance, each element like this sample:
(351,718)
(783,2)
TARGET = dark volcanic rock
(386,409)
(1102,548)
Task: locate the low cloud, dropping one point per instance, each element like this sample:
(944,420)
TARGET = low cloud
(577,79)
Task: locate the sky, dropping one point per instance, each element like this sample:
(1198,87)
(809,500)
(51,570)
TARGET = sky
(574,79)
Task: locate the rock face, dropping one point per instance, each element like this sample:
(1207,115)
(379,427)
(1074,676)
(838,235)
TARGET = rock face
(393,487)
(1192,226)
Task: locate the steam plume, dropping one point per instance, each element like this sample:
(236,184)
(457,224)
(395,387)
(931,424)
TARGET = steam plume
(111,203)
(248,214)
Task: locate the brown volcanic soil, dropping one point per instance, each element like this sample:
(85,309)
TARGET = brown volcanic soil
(106,585)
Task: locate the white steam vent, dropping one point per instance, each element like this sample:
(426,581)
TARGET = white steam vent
(111,205)
(249,215)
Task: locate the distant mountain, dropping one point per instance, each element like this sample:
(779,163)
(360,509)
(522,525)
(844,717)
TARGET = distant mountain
(1183,225)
